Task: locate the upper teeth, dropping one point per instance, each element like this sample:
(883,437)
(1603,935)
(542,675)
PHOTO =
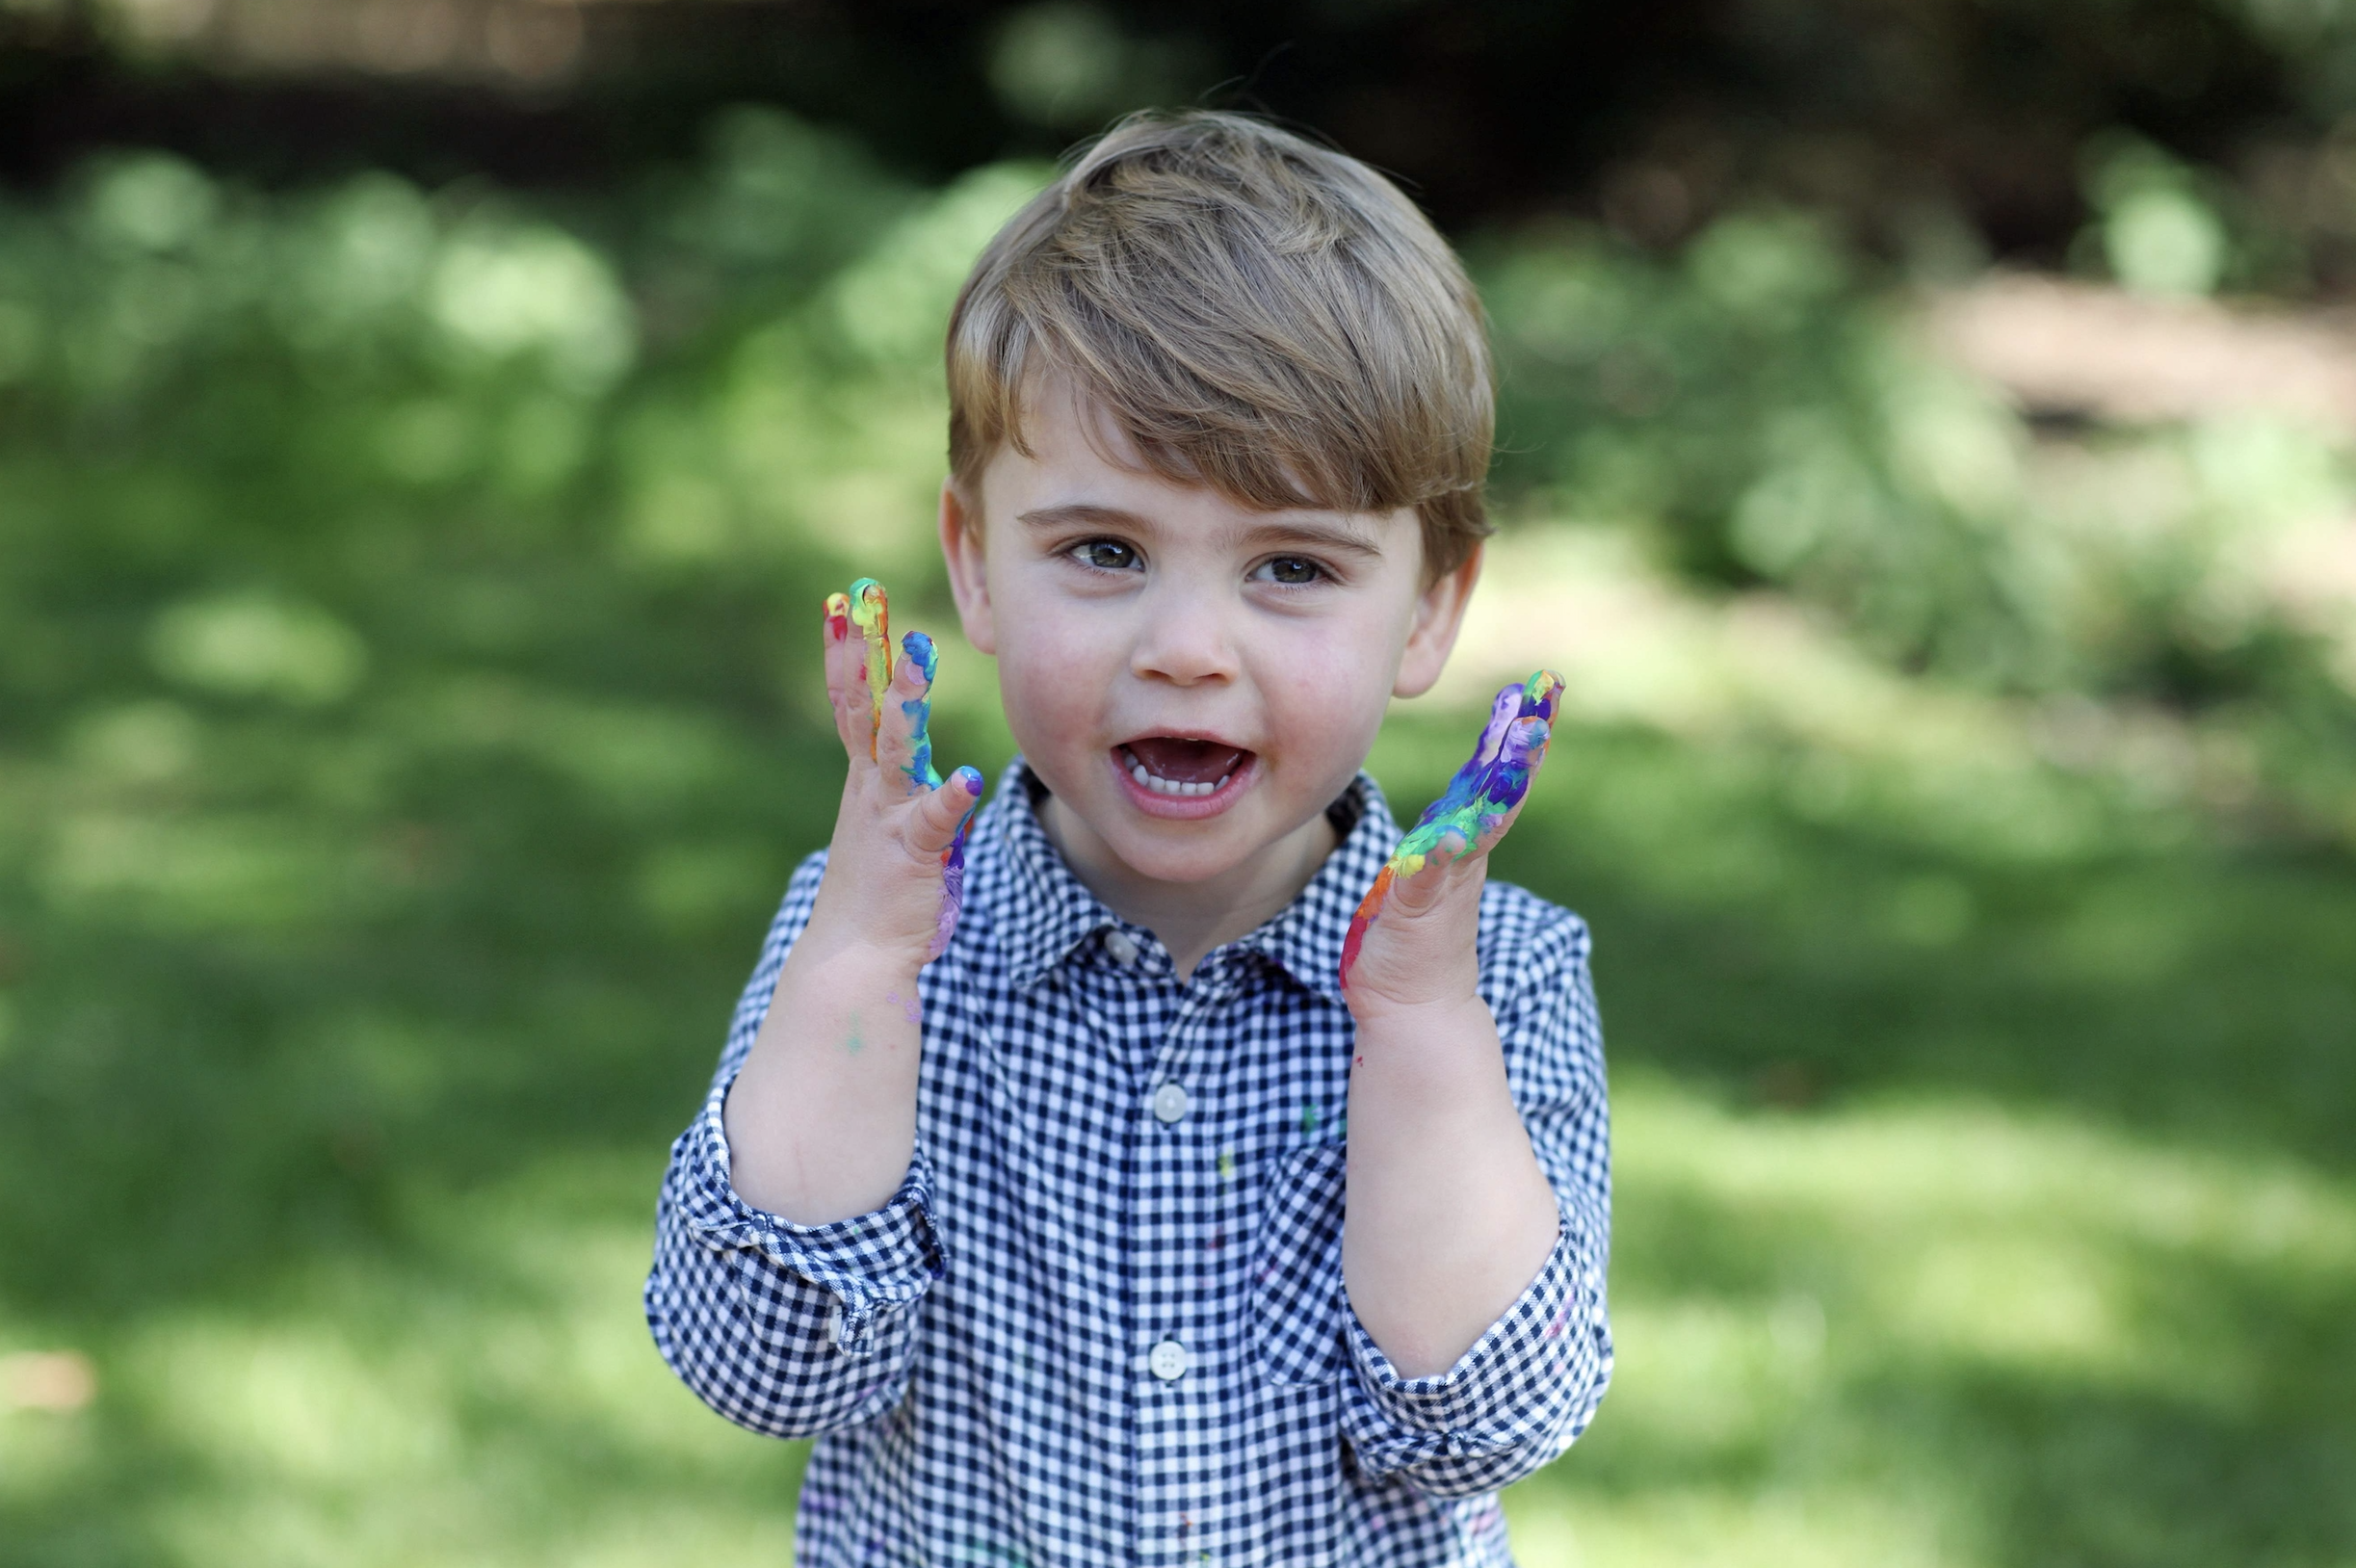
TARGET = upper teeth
(1170,786)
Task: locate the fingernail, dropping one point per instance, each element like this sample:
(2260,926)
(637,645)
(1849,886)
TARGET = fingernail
(971,779)
(920,649)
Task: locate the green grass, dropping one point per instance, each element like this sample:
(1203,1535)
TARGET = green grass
(1986,1205)
(1979,1208)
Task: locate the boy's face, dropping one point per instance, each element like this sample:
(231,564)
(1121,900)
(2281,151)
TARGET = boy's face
(1194,679)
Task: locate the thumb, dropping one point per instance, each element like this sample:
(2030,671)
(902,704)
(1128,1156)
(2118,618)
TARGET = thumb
(941,811)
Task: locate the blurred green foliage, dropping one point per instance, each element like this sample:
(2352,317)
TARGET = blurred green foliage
(409,714)
(1761,406)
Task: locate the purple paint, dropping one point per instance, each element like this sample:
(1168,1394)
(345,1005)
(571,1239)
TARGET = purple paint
(1473,811)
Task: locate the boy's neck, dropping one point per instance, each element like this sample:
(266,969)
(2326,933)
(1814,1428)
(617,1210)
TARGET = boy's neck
(1192,918)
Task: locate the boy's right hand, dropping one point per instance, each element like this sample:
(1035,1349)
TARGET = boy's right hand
(895,872)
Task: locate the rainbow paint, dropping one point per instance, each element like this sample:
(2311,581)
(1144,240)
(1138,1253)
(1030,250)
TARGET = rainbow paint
(869,607)
(1472,813)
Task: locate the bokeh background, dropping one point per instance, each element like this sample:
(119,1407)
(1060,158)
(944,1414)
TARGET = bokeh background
(426,427)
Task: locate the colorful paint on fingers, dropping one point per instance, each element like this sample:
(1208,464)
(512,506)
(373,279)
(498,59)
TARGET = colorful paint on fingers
(871,610)
(952,863)
(918,710)
(1473,812)
(869,607)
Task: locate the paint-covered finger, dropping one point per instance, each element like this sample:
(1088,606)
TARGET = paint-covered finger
(1503,710)
(1521,747)
(919,651)
(902,744)
(1541,695)
(846,682)
(870,612)
(1519,759)
(965,782)
(940,815)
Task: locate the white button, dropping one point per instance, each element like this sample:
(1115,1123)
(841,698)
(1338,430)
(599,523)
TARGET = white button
(834,1326)
(1119,947)
(1170,1102)
(1168,1361)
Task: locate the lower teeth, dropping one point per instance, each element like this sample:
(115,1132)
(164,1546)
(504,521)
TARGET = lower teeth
(1171,786)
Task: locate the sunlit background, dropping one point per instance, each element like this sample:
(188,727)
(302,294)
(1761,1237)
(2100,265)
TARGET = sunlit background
(426,427)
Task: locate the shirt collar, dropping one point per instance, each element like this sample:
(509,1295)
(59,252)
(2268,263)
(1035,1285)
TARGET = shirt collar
(1043,911)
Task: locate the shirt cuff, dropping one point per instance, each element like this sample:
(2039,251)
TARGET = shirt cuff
(883,1259)
(1518,1386)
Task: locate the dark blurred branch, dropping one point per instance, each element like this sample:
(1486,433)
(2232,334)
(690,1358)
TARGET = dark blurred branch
(1653,117)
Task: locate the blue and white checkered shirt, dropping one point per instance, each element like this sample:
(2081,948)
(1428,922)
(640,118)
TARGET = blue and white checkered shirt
(1102,1321)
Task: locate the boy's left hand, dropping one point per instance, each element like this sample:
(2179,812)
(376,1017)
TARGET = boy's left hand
(1411,943)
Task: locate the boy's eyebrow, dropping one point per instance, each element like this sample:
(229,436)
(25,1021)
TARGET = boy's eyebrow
(1330,536)
(1336,536)
(1079,515)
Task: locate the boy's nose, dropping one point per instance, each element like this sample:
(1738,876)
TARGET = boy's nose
(1184,640)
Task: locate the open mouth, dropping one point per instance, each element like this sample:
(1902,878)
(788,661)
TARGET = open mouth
(1178,767)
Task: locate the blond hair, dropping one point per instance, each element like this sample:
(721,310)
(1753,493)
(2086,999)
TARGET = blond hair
(1256,313)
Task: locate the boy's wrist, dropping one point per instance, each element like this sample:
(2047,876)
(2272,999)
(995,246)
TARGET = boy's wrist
(852,954)
(1411,1010)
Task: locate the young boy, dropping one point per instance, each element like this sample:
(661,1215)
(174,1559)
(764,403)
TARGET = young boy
(1022,1182)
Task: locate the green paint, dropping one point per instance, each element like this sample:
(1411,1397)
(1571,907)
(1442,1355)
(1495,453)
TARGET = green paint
(1227,1164)
(1308,1119)
(854,1044)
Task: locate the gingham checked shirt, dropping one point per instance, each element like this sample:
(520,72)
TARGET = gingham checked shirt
(1102,1321)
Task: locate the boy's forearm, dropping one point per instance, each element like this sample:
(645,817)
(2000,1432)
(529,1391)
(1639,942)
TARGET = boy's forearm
(821,1121)
(1449,1216)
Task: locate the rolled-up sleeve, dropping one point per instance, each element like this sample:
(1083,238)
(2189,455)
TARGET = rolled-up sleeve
(1531,1385)
(787,1330)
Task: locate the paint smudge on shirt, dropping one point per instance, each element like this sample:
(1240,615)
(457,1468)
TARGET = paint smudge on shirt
(1476,802)
(1308,1121)
(1227,1164)
(869,607)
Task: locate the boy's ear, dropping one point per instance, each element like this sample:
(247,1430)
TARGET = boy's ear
(1439,616)
(968,582)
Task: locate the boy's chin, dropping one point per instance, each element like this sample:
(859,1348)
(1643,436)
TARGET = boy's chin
(1180,864)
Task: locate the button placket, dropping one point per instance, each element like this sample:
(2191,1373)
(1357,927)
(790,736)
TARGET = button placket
(1196,1001)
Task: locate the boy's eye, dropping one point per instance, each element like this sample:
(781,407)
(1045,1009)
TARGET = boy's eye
(1293,572)
(1105,555)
